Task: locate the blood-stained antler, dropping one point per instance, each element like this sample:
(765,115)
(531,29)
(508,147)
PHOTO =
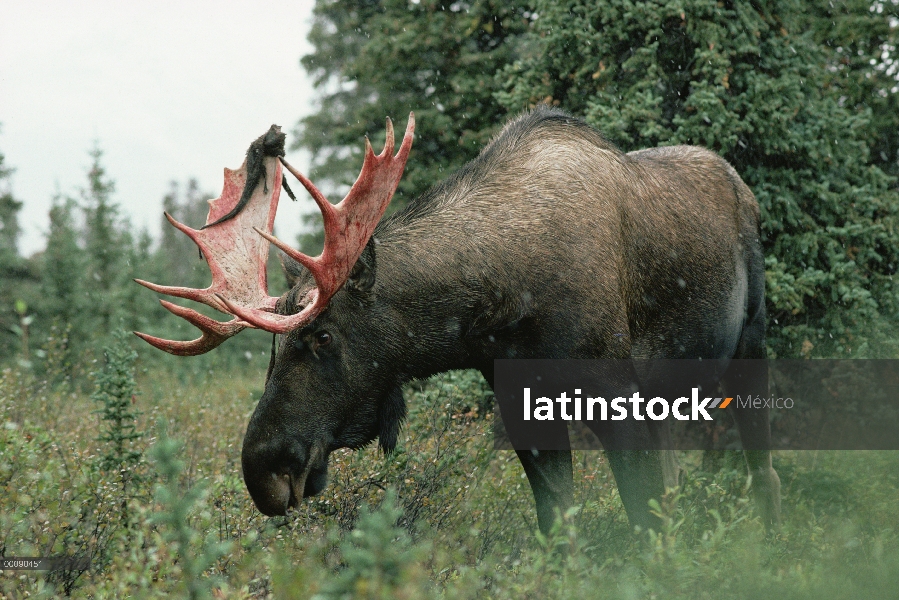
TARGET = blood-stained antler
(237,255)
(348,227)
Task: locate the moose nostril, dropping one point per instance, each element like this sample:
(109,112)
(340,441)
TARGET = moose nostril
(284,485)
(272,495)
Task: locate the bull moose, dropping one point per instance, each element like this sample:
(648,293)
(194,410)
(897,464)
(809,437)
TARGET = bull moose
(552,243)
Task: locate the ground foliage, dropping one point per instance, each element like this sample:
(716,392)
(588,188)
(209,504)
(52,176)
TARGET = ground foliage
(800,96)
(445,517)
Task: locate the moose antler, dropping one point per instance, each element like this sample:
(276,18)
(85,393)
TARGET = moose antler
(237,256)
(348,227)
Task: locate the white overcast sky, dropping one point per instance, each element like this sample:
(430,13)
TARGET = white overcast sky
(168,90)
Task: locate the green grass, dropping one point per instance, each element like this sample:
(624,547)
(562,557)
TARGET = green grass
(459,521)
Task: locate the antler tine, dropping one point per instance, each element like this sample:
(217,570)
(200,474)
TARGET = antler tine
(275,323)
(388,140)
(324,206)
(184,292)
(201,345)
(189,231)
(214,332)
(304,259)
(406,146)
(202,322)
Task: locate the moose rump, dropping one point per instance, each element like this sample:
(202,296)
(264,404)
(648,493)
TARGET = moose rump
(550,244)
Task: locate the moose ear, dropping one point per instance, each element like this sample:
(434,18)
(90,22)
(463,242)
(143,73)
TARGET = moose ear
(362,277)
(292,269)
(391,412)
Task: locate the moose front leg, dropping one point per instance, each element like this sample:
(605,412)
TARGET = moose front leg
(552,481)
(638,474)
(661,437)
(549,471)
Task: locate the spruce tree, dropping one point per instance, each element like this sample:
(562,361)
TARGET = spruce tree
(65,304)
(15,274)
(861,39)
(9,216)
(379,59)
(749,81)
(115,391)
(106,241)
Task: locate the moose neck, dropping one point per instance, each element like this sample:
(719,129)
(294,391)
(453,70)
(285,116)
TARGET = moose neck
(490,262)
(446,306)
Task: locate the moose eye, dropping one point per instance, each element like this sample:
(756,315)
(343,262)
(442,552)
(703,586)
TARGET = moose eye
(322,338)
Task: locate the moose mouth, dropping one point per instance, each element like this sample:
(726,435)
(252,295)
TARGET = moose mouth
(311,483)
(285,488)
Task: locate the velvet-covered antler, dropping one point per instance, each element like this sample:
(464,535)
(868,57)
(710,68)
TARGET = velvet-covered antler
(236,238)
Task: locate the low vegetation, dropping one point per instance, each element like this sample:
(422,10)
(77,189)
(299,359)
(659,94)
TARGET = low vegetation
(161,509)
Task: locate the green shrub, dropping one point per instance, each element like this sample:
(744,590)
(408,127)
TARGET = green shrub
(194,552)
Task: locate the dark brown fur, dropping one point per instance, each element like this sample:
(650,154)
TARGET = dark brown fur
(551,244)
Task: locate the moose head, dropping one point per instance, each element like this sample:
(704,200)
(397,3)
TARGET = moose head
(288,440)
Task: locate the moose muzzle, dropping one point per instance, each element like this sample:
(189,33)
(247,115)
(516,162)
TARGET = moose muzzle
(279,473)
